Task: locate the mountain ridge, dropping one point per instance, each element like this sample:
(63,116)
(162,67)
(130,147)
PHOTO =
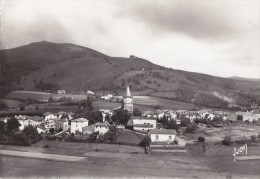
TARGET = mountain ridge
(41,65)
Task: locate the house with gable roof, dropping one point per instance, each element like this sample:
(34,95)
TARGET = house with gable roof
(78,124)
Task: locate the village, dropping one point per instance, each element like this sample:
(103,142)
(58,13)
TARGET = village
(160,130)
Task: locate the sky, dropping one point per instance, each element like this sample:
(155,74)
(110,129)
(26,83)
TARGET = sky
(216,37)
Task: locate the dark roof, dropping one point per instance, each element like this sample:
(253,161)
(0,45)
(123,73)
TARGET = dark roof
(162,131)
(102,124)
(143,125)
(146,118)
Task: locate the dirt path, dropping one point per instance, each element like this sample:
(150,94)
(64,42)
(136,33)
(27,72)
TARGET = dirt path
(42,155)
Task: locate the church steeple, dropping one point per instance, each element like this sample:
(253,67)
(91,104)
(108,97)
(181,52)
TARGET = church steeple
(128,101)
(127,92)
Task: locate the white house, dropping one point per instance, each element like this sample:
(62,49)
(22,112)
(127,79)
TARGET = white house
(78,124)
(61,91)
(5,119)
(90,92)
(107,97)
(49,124)
(28,121)
(48,116)
(162,135)
(143,123)
(102,128)
(106,112)
(41,129)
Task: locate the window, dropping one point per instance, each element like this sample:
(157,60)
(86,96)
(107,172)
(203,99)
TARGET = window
(157,137)
(170,137)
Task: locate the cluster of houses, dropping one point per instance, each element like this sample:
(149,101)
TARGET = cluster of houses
(59,122)
(147,123)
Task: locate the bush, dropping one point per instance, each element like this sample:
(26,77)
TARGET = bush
(201,139)
(31,134)
(176,142)
(191,129)
(46,146)
(22,107)
(145,141)
(254,138)
(185,122)
(227,140)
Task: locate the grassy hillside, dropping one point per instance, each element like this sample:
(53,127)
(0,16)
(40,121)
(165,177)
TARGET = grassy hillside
(48,66)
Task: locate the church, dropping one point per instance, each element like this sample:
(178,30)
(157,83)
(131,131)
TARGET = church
(128,101)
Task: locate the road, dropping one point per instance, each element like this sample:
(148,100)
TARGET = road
(100,164)
(42,155)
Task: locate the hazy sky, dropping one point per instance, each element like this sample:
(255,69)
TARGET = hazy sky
(217,37)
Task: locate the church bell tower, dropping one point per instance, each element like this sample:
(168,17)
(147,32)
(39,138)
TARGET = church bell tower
(128,101)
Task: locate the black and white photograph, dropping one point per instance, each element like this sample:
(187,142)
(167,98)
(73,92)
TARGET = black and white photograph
(130,89)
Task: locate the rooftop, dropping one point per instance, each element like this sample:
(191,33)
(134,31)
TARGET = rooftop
(102,124)
(162,131)
(80,120)
(143,125)
(144,118)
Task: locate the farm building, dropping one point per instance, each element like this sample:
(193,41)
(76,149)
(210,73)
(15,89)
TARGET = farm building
(162,135)
(61,91)
(102,128)
(143,123)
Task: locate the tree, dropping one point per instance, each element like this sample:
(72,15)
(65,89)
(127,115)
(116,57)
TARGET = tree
(86,104)
(92,116)
(191,129)
(121,116)
(107,118)
(12,124)
(2,128)
(185,122)
(50,100)
(201,139)
(3,106)
(226,140)
(52,130)
(169,124)
(146,140)
(31,134)
(254,138)
(22,107)
(217,120)
(111,135)
(136,112)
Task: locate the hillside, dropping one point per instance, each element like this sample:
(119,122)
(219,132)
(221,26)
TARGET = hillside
(48,66)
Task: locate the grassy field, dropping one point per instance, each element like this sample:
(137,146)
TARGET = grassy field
(164,103)
(102,104)
(74,97)
(12,103)
(129,137)
(236,132)
(42,108)
(126,161)
(23,95)
(42,96)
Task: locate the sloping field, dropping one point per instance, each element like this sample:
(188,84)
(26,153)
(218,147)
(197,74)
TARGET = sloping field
(42,96)
(23,95)
(163,103)
(101,104)
(235,132)
(74,97)
(12,103)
